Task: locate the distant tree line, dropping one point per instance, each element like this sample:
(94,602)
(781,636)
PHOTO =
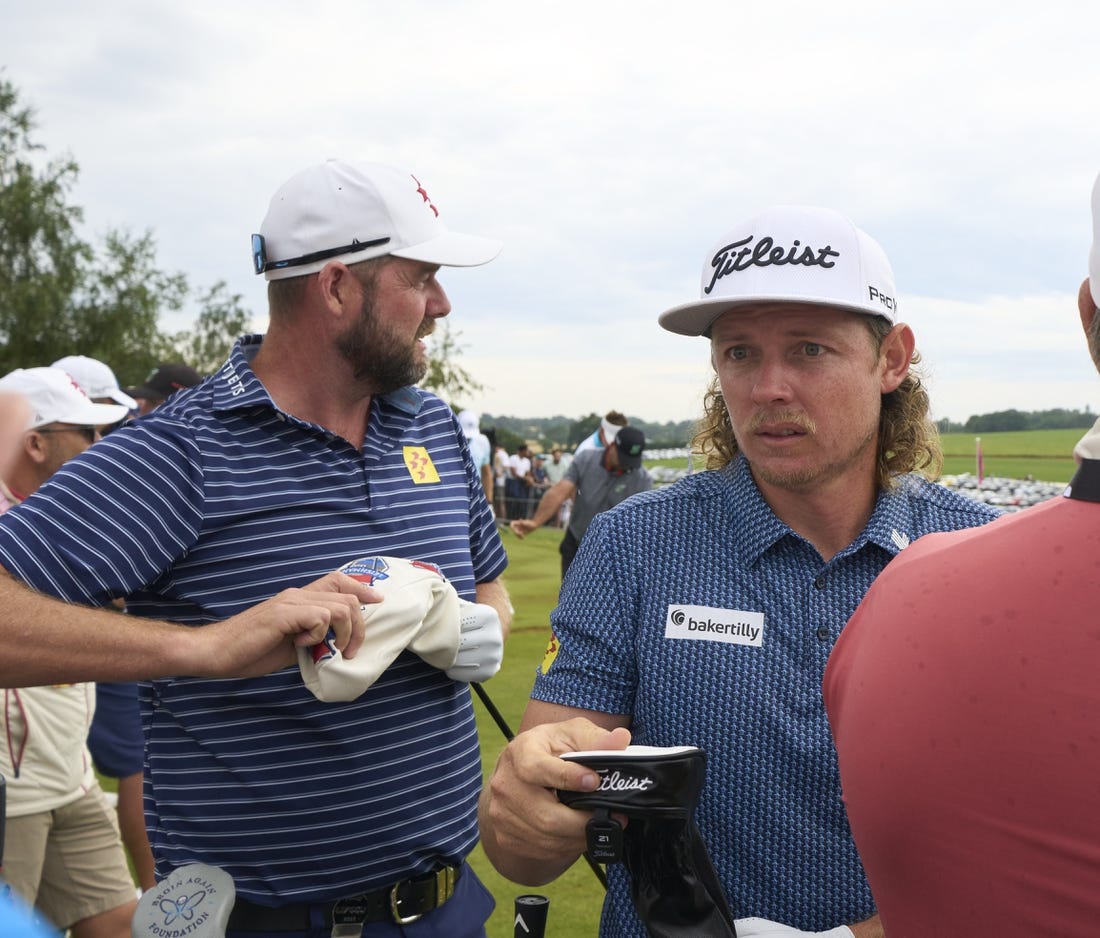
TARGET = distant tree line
(1011,420)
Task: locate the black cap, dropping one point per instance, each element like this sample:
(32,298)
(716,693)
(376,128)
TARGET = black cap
(165,380)
(630,442)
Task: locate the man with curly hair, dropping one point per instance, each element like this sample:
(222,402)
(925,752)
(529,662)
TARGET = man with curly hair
(703,613)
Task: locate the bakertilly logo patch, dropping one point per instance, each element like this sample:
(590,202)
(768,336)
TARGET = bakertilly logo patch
(707,624)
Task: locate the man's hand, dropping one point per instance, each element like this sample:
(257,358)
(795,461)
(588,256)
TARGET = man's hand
(521,527)
(529,835)
(263,639)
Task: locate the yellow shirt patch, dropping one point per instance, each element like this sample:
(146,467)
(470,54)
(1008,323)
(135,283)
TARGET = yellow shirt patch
(550,654)
(420,465)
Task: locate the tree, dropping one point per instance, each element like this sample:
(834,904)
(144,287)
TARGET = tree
(221,321)
(42,260)
(446,377)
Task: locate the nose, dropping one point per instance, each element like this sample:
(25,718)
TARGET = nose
(438,304)
(772,383)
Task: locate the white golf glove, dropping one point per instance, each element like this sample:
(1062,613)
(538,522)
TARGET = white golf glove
(420,611)
(481,643)
(762,928)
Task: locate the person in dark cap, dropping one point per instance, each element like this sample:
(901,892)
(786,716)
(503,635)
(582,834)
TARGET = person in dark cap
(597,479)
(162,383)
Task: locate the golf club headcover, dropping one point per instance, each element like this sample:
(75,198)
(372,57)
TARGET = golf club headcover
(674,887)
(193,900)
(419,611)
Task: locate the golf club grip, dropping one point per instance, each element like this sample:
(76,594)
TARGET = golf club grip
(530,918)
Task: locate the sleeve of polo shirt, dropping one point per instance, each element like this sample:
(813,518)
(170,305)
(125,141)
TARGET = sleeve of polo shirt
(111,520)
(595,624)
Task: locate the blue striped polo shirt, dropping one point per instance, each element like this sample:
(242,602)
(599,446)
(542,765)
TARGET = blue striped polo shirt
(214,502)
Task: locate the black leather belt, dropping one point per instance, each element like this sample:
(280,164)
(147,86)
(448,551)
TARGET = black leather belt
(402,903)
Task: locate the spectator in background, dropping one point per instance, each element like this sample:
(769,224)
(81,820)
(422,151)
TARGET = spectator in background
(595,480)
(518,483)
(480,449)
(62,850)
(115,739)
(604,434)
(555,468)
(500,481)
(163,381)
(963,699)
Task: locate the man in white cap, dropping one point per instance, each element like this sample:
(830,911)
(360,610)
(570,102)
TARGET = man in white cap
(703,613)
(309,448)
(61,845)
(96,379)
(963,699)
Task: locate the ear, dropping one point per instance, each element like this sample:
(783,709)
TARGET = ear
(34,447)
(339,290)
(1086,305)
(896,356)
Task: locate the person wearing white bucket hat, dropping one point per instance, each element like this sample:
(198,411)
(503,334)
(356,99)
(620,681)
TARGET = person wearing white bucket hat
(963,696)
(703,613)
(310,447)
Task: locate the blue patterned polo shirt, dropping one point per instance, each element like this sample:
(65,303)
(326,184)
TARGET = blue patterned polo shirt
(697,612)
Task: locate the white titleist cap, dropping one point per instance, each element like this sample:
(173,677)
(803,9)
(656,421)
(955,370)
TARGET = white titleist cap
(1094,254)
(95,378)
(353,212)
(56,398)
(790,254)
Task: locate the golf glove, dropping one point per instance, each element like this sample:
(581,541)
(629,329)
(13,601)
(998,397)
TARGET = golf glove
(480,645)
(762,928)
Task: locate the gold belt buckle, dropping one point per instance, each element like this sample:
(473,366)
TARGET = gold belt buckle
(444,889)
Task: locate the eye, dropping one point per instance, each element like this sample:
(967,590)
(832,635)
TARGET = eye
(812,350)
(737,353)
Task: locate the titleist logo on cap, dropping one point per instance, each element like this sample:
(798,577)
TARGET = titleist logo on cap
(742,254)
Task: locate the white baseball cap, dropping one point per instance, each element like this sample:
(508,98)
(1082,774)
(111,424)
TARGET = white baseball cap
(470,422)
(95,378)
(790,254)
(56,398)
(1094,253)
(353,212)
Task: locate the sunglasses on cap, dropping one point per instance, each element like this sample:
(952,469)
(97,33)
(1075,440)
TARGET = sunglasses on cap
(91,434)
(260,263)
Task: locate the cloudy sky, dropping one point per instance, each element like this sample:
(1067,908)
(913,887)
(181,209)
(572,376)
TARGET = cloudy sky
(609,145)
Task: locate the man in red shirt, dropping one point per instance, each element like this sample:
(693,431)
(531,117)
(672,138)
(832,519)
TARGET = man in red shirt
(963,698)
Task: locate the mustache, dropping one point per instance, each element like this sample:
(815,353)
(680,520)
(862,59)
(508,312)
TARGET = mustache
(791,417)
(426,330)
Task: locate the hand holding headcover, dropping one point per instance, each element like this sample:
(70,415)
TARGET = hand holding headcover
(421,612)
(673,884)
